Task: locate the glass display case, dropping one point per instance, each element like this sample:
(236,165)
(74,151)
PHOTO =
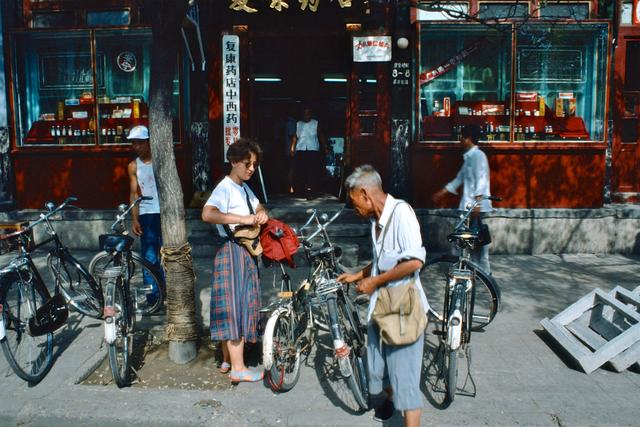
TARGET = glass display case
(57,101)
(465,77)
(561,73)
(558,93)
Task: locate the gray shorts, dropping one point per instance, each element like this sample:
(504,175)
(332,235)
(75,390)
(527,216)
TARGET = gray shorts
(396,366)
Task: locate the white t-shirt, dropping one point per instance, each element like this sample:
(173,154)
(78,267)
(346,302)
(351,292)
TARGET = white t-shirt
(307,133)
(230,197)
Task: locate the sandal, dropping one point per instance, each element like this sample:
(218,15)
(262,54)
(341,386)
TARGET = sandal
(224,368)
(248,375)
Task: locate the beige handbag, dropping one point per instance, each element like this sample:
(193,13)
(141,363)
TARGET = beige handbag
(399,312)
(249,237)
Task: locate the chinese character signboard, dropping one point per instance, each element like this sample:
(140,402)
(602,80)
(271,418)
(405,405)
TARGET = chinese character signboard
(372,49)
(230,90)
(401,74)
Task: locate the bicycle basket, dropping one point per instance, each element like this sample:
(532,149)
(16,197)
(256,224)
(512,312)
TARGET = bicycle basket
(49,317)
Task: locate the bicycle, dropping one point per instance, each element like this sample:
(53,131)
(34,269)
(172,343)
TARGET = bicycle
(461,300)
(30,313)
(116,266)
(320,302)
(144,278)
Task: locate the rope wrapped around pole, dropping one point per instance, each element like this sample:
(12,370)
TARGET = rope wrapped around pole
(177,263)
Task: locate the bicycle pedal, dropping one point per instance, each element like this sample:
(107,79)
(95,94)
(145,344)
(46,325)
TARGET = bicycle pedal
(438,332)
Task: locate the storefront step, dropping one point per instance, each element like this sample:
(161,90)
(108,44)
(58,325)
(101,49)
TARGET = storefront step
(612,229)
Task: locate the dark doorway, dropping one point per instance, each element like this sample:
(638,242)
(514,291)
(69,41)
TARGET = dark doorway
(287,73)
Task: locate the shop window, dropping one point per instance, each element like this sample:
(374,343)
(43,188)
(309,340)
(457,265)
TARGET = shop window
(560,82)
(465,77)
(57,101)
(626,12)
(52,19)
(442,11)
(575,11)
(516,10)
(109,17)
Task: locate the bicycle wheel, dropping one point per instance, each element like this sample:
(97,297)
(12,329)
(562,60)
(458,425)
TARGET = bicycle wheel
(285,369)
(29,356)
(120,349)
(145,282)
(433,277)
(77,286)
(354,338)
(451,374)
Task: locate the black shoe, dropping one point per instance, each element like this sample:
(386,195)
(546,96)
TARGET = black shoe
(384,412)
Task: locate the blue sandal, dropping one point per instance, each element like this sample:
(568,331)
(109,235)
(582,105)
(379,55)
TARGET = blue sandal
(248,375)
(224,368)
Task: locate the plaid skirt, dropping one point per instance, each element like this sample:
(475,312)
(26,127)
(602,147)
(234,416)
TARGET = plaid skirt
(235,295)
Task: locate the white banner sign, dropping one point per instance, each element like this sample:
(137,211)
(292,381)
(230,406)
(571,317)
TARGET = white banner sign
(372,49)
(230,90)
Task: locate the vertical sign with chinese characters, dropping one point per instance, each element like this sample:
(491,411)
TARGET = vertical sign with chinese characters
(401,74)
(230,90)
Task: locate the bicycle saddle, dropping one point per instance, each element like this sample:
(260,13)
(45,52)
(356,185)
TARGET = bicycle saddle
(464,235)
(326,250)
(116,242)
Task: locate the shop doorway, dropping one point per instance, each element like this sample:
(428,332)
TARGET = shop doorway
(287,73)
(626,142)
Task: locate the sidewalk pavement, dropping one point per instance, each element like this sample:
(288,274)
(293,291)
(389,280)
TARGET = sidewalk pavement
(521,378)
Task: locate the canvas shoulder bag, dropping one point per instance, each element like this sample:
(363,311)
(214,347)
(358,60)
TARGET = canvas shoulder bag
(247,236)
(398,312)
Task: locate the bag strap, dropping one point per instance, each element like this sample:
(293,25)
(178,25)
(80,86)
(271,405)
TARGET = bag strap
(226,227)
(386,228)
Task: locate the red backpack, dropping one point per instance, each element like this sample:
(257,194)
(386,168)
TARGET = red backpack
(279,241)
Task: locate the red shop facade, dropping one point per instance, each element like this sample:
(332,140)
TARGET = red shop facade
(554,85)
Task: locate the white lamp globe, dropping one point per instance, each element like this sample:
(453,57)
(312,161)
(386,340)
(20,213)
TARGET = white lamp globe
(402,42)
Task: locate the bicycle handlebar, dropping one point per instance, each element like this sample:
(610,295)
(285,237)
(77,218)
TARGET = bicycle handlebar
(471,206)
(43,218)
(120,217)
(321,227)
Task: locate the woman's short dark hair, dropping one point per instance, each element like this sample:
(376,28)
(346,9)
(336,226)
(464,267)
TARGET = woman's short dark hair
(242,150)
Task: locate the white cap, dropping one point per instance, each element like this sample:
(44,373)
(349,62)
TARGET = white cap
(139,132)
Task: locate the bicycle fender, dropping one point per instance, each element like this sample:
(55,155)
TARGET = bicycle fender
(267,338)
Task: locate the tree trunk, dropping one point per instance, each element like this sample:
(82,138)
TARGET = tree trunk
(177,262)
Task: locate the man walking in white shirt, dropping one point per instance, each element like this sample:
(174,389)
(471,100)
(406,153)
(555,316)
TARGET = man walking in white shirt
(473,176)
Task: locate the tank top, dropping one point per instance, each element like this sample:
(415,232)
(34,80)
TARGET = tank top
(307,133)
(147,184)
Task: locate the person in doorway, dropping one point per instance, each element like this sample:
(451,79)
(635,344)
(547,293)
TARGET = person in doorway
(145,216)
(308,147)
(473,176)
(394,371)
(235,290)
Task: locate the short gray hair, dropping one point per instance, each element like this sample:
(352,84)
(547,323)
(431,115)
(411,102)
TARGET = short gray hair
(364,176)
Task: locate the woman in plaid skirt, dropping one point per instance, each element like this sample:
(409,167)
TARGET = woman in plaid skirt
(235,291)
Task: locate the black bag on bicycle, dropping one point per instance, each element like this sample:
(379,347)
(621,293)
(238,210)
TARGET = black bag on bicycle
(484,235)
(51,316)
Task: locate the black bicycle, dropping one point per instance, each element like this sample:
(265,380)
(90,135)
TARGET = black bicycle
(131,285)
(30,313)
(470,302)
(145,280)
(319,303)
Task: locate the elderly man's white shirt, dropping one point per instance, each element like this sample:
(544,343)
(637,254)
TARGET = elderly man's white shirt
(474,177)
(402,242)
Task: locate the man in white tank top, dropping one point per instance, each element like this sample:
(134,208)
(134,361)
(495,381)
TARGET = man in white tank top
(146,216)
(307,148)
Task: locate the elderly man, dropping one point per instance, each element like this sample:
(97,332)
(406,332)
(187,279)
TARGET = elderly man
(398,255)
